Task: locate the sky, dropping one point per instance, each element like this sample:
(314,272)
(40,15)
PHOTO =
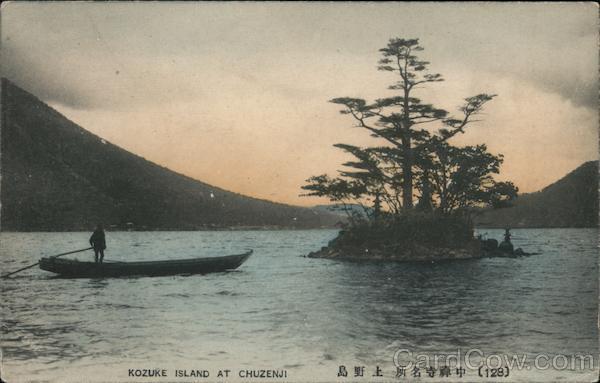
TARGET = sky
(236,94)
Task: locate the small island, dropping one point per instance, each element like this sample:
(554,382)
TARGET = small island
(412,196)
(350,246)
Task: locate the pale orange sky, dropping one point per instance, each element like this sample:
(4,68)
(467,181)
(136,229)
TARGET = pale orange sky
(235,94)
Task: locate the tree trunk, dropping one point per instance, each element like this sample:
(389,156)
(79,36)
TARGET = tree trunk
(425,200)
(407,182)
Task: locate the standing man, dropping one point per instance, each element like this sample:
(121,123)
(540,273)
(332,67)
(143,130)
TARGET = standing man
(507,235)
(506,246)
(98,242)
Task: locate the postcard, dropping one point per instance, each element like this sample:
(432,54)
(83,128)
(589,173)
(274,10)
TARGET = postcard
(299,192)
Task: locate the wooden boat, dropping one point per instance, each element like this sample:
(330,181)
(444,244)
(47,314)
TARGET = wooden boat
(76,269)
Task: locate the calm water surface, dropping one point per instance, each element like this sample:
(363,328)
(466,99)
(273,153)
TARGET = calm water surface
(283,311)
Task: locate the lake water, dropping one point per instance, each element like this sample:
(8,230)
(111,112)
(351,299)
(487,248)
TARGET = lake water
(306,316)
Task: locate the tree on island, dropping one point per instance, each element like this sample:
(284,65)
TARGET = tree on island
(416,178)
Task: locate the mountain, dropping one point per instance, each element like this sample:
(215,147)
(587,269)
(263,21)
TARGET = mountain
(571,201)
(57,176)
(338,209)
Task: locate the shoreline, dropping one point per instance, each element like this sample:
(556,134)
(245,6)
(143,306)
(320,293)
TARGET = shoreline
(174,230)
(473,250)
(414,253)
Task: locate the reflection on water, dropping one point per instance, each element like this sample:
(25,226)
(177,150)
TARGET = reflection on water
(96,283)
(280,310)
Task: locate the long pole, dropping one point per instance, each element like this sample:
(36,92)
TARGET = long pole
(52,256)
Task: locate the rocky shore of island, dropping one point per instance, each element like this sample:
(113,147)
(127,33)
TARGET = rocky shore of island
(416,253)
(474,249)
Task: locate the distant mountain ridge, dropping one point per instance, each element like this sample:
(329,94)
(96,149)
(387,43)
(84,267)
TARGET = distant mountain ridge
(57,176)
(571,201)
